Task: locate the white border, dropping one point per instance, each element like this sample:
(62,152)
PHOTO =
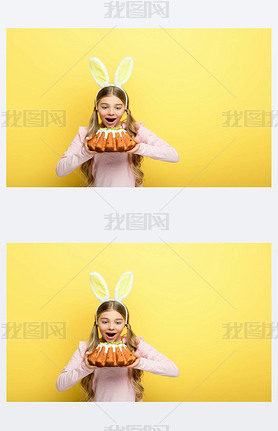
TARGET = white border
(201,215)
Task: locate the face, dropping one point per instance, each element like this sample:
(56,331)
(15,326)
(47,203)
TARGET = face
(111,324)
(111,110)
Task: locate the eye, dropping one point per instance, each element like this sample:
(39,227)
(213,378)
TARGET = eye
(119,323)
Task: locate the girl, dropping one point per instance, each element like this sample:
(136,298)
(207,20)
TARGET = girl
(113,169)
(113,383)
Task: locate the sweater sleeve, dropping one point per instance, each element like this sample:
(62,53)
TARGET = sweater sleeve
(154,147)
(155,362)
(74,156)
(75,370)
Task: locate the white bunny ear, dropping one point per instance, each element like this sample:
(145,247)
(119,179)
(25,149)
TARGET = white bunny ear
(124,71)
(99,72)
(99,286)
(123,286)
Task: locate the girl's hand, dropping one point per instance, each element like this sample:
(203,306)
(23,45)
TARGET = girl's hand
(87,148)
(92,367)
(135,363)
(136,148)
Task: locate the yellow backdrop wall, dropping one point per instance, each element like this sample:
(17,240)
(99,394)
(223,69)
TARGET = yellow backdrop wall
(183,84)
(183,298)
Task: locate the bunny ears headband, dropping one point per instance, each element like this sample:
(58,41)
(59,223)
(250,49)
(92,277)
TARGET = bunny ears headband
(101,290)
(101,76)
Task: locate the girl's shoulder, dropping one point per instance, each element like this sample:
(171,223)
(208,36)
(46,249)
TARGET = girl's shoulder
(83,132)
(83,345)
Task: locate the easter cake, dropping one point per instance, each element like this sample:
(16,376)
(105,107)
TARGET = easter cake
(111,139)
(111,355)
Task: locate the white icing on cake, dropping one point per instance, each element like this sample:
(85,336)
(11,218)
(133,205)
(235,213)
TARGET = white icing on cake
(112,130)
(113,345)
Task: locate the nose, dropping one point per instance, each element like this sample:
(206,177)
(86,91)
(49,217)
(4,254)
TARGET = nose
(111,326)
(111,111)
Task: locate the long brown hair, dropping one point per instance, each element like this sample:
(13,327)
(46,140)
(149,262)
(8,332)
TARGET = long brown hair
(134,160)
(134,375)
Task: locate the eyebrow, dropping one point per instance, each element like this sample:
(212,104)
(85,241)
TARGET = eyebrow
(106,318)
(117,104)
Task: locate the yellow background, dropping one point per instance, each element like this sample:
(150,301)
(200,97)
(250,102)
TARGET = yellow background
(180,86)
(173,304)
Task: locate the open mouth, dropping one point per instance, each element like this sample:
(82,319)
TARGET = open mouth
(110,335)
(110,120)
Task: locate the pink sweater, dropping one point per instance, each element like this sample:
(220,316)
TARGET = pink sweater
(113,169)
(113,384)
